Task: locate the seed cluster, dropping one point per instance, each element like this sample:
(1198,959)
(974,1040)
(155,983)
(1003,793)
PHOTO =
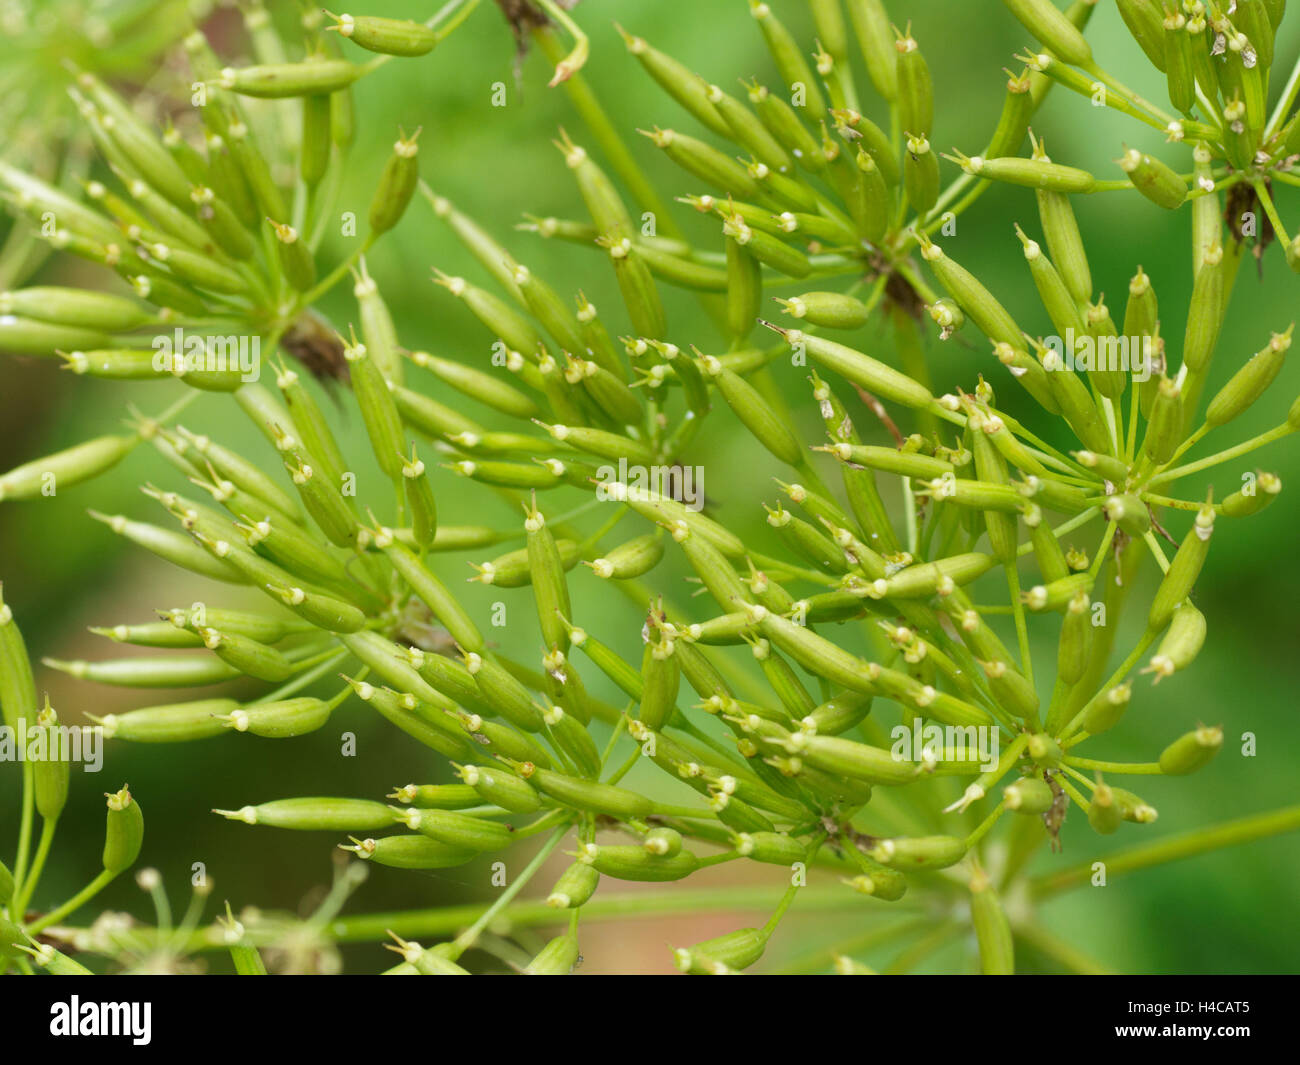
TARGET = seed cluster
(878,632)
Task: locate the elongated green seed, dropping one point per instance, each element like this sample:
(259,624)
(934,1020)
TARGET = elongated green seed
(315,814)
(410,852)
(388,36)
(635,863)
(123,833)
(1045,21)
(1249,382)
(280,719)
(44,476)
(1154,179)
(1191,751)
(290,79)
(396,185)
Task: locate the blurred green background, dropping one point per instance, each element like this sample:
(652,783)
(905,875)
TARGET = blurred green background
(1232,911)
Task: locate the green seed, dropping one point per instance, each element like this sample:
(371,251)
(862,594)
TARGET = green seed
(570,736)
(1154,179)
(871,374)
(388,36)
(1106,708)
(922,852)
(1013,124)
(727,953)
(992,930)
(1056,595)
(378,409)
(858,761)
(281,719)
(661,675)
(438,796)
(455,829)
(1104,813)
(485,387)
(634,863)
(575,887)
(557,958)
(43,476)
(396,185)
(315,815)
(1129,513)
(410,852)
(635,282)
(1191,751)
(1249,382)
(181,671)
(978,302)
(433,592)
(1045,21)
(629,560)
(294,257)
(123,832)
(915,88)
(1266,488)
(789,58)
(676,80)
(705,163)
(1182,643)
(871,26)
(248,656)
(589,795)
(748,131)
(50,774)
(172,723)
(1144,20)
(1031,173)
(1206,310)
(500,787)
(174,547)
(1183,571)
(920,175)
(278,80)
(1028,795)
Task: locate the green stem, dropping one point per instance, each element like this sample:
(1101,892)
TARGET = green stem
(1148,638)
(1270,209)
(1243,448)
(1131,768)
(22,896)
(76,902)
(1184,845)
(1038,938)
(1022,627)
(25,822)
(467,938)
(1284,102)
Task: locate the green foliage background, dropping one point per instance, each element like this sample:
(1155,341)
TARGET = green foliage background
(1231,911)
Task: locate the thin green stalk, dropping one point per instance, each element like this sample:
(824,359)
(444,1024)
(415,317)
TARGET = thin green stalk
(18,905)
(1175,848)
(1131,768)
(1022,627)
(25,822)
(73,904)
(1284,102)
(466,939)
(1035,936)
